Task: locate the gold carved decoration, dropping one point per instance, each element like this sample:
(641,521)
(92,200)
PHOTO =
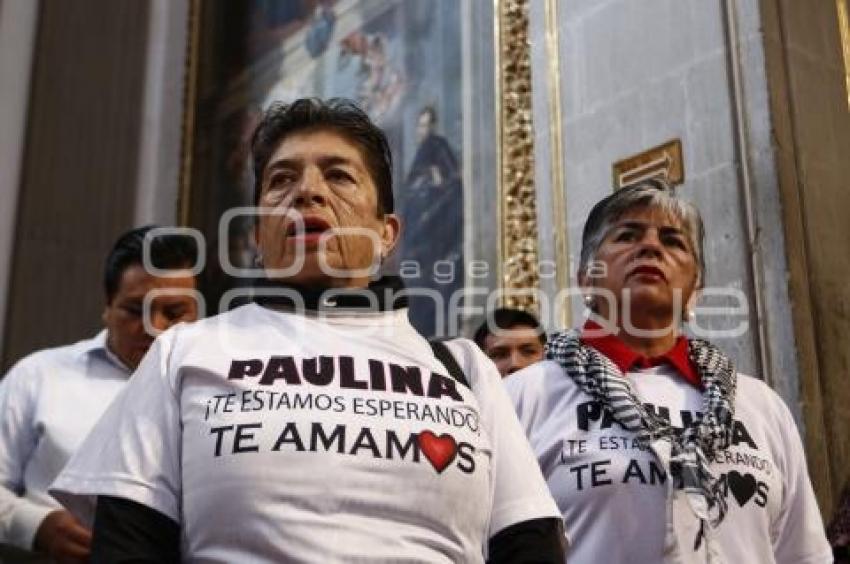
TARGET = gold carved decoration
(844,29)
(518,272)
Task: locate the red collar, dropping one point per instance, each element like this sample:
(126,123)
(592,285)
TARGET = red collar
(625,358)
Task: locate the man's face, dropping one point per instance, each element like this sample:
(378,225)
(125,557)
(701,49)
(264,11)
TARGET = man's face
(325,205)
(513,349)
(123,315)
(424,126)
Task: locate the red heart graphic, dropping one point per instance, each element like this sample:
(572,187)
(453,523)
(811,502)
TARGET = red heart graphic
(440,451)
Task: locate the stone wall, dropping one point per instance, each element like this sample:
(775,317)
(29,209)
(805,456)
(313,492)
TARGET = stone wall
(636,74)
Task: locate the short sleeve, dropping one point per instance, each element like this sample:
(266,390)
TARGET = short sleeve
(133,452)
(523,390)
(519,490)
(798,532)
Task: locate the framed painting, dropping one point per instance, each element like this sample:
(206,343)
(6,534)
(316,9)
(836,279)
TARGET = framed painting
(430,73)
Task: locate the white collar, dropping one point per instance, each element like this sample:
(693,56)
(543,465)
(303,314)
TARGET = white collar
(98,345)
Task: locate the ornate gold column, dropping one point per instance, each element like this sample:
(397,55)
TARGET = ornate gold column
(844,29)
(518,273)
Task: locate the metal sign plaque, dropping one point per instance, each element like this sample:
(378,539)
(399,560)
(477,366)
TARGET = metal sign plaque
(664,161)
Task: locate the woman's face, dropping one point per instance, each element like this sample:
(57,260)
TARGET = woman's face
(646,266)
(325,229)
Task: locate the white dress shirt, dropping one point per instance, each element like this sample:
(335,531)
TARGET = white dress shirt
(48,403)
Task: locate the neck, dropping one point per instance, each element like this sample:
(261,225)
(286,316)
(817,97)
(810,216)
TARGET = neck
(126,362)
(386,293)
(647,333)
(649,345)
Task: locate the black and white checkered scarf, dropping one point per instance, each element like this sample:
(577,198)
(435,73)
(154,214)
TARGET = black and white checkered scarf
(690,449)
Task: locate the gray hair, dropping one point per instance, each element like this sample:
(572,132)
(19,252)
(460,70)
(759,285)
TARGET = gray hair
(652,193)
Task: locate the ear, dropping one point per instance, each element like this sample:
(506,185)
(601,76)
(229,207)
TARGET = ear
(390,233)
(691,302)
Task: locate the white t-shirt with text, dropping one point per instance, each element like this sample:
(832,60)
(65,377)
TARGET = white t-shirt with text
(613,494)
(271,436)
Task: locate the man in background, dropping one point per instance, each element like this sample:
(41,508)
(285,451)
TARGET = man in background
(50,399)
(512,338)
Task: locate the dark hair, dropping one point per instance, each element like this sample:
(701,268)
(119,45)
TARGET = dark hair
(507,318)
(338,114)
(432,113)
(166,251)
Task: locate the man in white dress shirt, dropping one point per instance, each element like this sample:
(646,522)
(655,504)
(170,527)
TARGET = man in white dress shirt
(50,399)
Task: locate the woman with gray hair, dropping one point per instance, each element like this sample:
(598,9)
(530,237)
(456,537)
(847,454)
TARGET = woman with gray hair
(654,447)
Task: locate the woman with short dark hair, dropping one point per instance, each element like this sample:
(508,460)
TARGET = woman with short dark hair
(654,447)
(315,424)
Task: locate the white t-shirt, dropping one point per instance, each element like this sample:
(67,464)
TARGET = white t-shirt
(271,436)
(613,494)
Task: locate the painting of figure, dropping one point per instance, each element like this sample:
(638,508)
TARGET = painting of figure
(401,61)
(433,219)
